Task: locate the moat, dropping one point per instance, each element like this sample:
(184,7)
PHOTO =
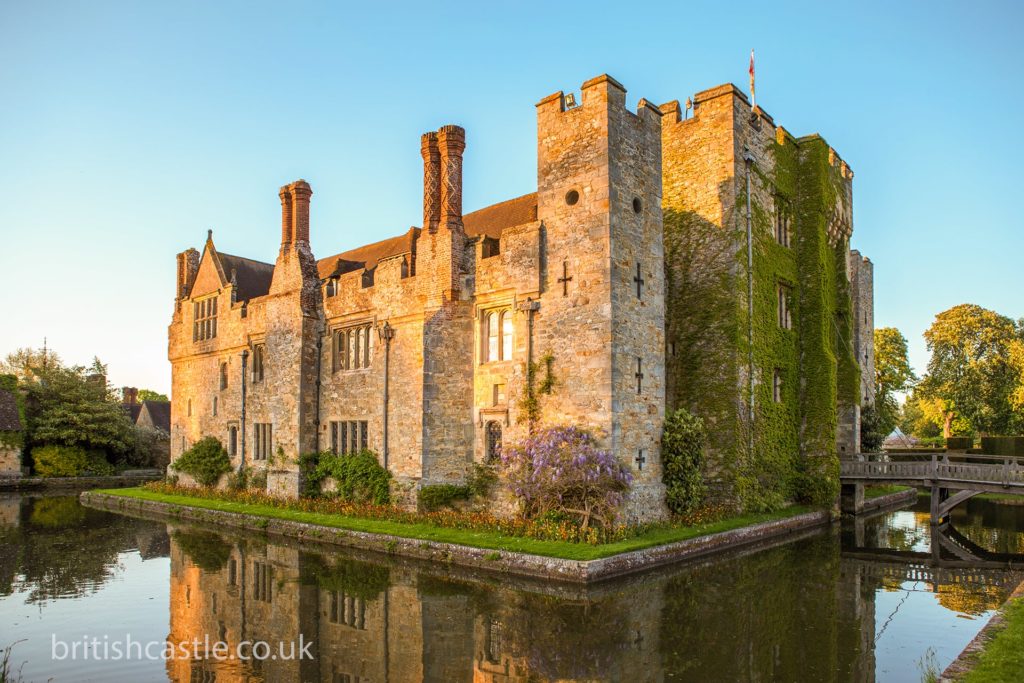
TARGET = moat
(855,603)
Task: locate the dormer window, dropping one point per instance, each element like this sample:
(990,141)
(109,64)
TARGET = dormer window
(332,287)
(204,325)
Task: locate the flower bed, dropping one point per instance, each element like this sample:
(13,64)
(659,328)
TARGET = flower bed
(544,529)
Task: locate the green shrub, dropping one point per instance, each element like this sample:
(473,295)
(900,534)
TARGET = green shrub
(359,476)
(959,443)
(436,496)
(481,479)
(60,461)
(247,478)
(682,453)
(205,462)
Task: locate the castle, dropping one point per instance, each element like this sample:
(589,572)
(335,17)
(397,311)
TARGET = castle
(436,347)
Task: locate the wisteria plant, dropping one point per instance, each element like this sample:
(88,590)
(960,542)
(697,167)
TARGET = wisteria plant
(561,470)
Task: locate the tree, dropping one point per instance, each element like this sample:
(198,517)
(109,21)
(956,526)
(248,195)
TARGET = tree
(1017,361)
(921,417)
(66,407)
(893,375)
(24,362)
(150,395)
(971,370)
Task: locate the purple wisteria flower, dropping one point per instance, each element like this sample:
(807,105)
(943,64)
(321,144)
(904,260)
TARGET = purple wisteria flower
(561,470)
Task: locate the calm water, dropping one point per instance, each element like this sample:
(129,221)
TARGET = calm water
(864,603)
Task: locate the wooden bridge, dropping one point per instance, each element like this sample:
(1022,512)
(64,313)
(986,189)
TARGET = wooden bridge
(942,473)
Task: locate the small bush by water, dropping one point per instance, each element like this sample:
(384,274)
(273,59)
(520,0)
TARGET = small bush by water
(205,462)
(358,477)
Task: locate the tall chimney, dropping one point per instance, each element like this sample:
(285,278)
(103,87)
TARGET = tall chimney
(431,181)
(301,192)
(451,142)
(188,267)
(286,215)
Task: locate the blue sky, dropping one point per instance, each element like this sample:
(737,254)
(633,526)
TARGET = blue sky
(129,129)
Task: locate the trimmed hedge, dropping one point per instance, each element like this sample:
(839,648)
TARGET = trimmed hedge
(959,443)
(69,461)
(1003,445)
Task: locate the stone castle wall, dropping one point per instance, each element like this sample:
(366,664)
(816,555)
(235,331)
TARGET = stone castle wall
(566,278)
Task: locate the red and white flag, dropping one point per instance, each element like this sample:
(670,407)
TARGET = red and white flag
(753,96)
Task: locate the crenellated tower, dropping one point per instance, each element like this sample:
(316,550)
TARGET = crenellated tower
(599,200)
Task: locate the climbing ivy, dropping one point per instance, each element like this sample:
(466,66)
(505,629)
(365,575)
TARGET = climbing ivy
(791,453)
(529,403)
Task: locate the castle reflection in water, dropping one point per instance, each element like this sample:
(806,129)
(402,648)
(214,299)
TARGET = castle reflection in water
(828,605)
(404,622)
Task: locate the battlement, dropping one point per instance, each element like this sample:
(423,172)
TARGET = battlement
(741,108)
(601,89)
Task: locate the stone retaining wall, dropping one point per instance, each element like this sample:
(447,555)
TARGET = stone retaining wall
(502,562)
(76,483)
(889,500)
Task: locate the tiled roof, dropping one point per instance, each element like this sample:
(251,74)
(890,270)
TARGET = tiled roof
(253,277)
(493,220)
(10,420)
(366,256)
(490,222)
(159,413)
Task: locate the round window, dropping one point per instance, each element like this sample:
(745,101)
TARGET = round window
(572,197)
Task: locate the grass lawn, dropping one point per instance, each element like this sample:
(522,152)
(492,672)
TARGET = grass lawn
(994,497)
(879,491)
(480,539)
(1003,658)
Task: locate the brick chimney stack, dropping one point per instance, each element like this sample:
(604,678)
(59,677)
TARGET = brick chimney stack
(286,216)
(188,267)
(451,143)
(301,192)
(130,395)
(295,213)
(431,181)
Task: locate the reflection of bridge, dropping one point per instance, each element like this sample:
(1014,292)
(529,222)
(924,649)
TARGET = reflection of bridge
(942,473)
(954,559)
(887,568)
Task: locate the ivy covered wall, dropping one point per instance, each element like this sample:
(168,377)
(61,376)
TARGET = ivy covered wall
(789,451)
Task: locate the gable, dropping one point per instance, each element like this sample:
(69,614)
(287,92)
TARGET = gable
(208,279)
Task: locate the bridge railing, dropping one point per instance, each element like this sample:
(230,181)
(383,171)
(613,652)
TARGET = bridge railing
(981,469)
